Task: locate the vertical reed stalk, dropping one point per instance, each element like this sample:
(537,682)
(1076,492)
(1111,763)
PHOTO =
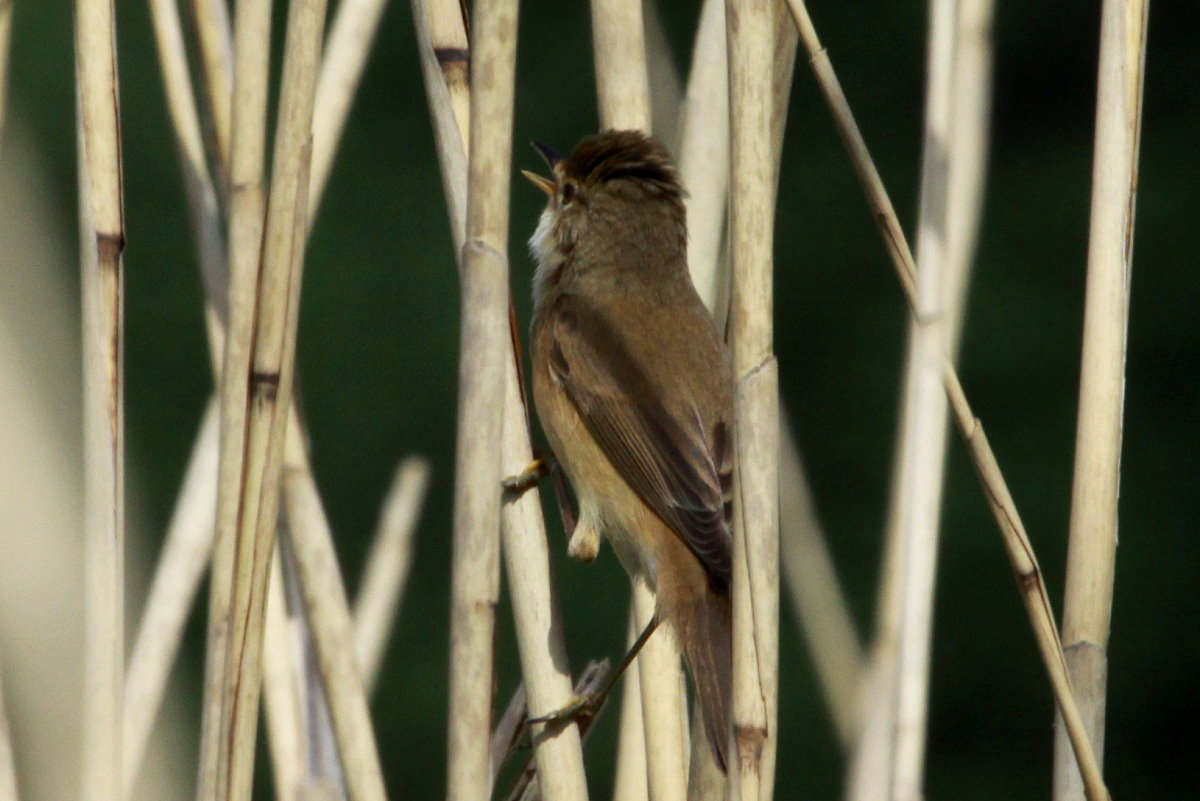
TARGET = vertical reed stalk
(629,775)
(1091,554)
(272,351)
(283,700)
(102,240)
(386,572)
(217,59)
(246,206)
(755,544)
(483,350)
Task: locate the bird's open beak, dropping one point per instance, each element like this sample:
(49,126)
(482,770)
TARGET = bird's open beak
(544,184)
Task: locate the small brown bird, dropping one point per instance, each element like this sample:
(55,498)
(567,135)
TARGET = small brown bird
(634,391)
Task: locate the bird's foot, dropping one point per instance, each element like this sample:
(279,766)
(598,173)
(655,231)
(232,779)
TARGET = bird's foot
(582,708)
(529,477)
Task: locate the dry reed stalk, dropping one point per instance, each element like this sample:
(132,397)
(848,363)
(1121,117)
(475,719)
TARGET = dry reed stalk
(817,597)
(629,775)
(386,569)
(349,42)
(1012,530)
(102,240)
(181,567)
(891,763)
(6,12)
(1091,555)
(276,300)
(970,118)
(704,158)
(666,86)
(475,571)
(441,39)
(755,543)
(246,207)
(8,770)
(282,698)
(623,97)
(445,55)
(706,782)
(217,58)
(332,634)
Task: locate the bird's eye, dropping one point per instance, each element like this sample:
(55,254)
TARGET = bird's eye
(567,193)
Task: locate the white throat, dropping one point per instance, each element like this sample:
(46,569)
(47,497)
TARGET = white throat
(547,254)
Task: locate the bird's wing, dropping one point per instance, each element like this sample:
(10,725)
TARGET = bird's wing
(649,428)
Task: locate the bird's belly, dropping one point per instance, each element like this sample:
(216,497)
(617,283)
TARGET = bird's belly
(608,507)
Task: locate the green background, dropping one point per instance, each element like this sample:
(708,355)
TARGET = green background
(379,330)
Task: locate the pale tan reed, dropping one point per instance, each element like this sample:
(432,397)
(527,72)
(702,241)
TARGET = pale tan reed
(441,40)
(283,698)
(1091,554)
(102,240)
(629,775)
(181,567)
(387,566)
(484,348)
(272,350)
(346,49)
(217,56)
(1012,530)
(756,515)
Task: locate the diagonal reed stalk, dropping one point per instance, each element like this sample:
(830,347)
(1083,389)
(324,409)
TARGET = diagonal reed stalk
(484,348)
(751,32)
(387,567)
(443,48)
(1091,553)
(1012,530)
(102,240)
(210,19)
(623,97)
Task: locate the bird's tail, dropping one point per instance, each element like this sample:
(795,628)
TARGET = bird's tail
(708,651)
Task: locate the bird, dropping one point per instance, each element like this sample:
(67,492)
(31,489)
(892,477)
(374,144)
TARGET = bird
(633,386)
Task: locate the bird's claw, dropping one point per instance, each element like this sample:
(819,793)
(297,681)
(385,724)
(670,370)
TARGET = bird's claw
(582,707)
(527,478)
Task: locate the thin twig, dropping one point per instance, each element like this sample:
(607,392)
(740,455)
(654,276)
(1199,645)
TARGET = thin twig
(177,577)
(1017,545)
(483,352)
(386,571)
(102,240)
(1092,549)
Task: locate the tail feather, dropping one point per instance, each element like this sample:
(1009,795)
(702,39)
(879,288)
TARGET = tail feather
(706,641)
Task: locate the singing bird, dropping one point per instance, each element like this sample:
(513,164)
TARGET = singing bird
(634,390)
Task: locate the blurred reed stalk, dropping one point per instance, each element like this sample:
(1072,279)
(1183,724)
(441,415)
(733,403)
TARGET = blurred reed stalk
(387,567)
(623,98)
(751,33)
(444,51)
(484,348)
(102,240)
(217,53)
(1091,553)
(890,763)
(6,12)
(8,771)
(1012,530)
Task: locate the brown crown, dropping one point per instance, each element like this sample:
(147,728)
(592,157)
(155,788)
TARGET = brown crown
(611,155)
